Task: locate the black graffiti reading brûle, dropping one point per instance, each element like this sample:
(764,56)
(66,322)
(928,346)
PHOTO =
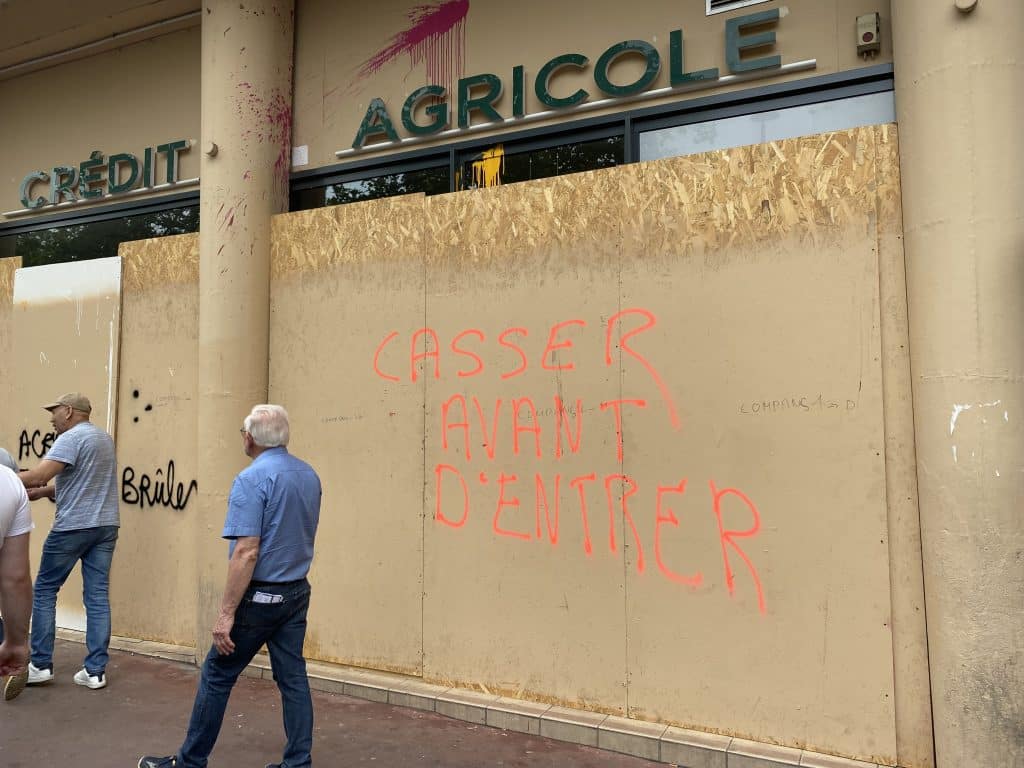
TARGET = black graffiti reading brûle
(156,491)
(35,444)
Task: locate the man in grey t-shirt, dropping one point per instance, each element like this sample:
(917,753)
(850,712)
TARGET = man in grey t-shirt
(81,462)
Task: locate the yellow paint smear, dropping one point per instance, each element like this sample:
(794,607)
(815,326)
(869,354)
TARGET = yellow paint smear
(487,170)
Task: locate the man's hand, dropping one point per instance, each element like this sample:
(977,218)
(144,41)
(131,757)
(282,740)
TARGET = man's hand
(40,492)
(13,658)
(222,634)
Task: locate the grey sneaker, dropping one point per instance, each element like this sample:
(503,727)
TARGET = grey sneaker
(37,676)
(15,684)
(82,677)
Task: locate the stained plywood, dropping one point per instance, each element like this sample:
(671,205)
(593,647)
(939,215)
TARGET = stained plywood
(156,440)
(733,574)
(522,595)
(8,433)
(66,325)
(344,278)
(767,286)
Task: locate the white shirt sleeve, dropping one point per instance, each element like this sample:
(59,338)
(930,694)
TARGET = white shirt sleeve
(15,516)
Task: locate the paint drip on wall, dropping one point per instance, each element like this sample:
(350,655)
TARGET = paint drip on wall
(437,36)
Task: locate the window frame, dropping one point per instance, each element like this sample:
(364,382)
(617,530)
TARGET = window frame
(629,124)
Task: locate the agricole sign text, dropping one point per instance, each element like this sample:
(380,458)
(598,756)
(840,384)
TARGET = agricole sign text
(119,173)
(479,93)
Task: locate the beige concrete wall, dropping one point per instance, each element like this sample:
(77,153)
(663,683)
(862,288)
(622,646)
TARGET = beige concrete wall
(333,43)
(779,629)
(124,100)
(38,33)
(964,249)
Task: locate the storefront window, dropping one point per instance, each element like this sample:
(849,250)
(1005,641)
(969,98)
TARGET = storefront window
(773,125)
(494,166)
(429,181)
(97,239)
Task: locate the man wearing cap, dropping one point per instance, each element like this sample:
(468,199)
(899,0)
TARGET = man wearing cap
(15,578)
(81,462)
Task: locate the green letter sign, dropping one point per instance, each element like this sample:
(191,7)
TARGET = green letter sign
(736,42)
(608,58)
(437,111)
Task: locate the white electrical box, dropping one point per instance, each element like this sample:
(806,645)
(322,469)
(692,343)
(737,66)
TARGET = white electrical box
(869,35)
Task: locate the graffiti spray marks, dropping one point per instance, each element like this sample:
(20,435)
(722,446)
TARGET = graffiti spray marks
(437,36)
(159,489)
(34,444)
(149,406)
(477,440)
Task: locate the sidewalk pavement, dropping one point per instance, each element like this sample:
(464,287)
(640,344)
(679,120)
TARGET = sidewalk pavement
(145,707)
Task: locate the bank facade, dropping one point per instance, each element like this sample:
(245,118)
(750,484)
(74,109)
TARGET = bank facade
(661,361)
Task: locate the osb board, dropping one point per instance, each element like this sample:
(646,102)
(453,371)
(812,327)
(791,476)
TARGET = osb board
(345,278)
(156,439)
(690,289)
(523,597)
(67,325)
(8,433)
(766,282)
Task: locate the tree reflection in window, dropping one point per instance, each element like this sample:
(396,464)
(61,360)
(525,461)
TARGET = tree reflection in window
(429,181)
(99,239)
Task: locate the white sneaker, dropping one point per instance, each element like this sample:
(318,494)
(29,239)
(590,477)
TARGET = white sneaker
(37,676)
(82,677)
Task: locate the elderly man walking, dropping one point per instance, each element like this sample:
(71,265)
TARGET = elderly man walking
(273,512)
(81,462)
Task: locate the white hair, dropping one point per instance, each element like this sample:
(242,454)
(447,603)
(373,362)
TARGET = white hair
(268,425)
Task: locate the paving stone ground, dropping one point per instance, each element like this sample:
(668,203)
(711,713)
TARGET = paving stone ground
(145,708)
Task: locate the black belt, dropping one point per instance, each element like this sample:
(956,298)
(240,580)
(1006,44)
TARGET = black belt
(276,583)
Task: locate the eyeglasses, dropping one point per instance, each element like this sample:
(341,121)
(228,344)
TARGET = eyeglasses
(242,431)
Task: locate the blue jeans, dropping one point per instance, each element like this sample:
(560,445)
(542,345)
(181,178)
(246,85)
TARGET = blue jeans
(61,550)
(282,627)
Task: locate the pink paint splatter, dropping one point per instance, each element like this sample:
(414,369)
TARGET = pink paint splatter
(273,124)
(437,36)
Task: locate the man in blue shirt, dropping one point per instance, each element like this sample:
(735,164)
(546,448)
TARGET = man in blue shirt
(273,511)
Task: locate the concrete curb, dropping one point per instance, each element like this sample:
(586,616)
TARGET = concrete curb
(652,741)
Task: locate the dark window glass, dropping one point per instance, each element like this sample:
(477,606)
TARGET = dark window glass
(495,166)
(97,239)
(429,181)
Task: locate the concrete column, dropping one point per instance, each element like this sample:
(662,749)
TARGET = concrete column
(246,141)
(960,105)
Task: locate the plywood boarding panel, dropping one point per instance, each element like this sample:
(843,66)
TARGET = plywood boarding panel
(66,330)
(514,601)
(726,306)
(156,440)
(8,434)
(761,266)
(344,279)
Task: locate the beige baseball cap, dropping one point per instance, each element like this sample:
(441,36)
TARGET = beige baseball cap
(76,400)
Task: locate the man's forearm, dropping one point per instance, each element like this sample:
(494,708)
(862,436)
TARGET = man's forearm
(16,604)
(240,568)
(42,474)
